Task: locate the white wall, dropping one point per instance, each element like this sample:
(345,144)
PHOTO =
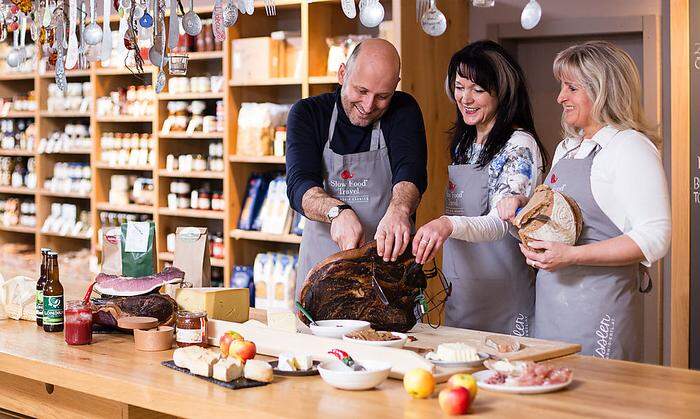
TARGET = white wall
(506,11)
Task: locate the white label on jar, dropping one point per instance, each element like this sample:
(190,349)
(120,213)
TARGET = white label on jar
(189,335)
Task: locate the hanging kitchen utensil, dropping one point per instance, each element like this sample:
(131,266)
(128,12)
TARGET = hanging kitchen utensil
(531,15)
(106,51)
(146,20)
(160,78)
(217,17)
(240,4)
(372,14)
(177,64)
(270,9)
(422,6)
(349,8)
(154,54)
(72,53)
(230,13)
(13,56)
(174,33)
(35,27)
(48,12)
(60,68)
(3,27)
(93,33)
(250,6)
(82,48)
(191,21)
(433,21)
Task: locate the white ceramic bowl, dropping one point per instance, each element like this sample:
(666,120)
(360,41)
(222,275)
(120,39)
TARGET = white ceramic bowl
(399,343)
(341,376)
(337,328)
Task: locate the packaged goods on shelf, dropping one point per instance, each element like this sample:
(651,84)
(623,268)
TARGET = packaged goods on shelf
(130,101)
(215,243)
(256,127)
(17,134)
(74,137)
(194,116)
(70,178)
(274,275)
(256,59)
(184,196)
(26,66)
(130,189)
(266,207)
(68,220)
(292,52)
(76,97)
(339,50)
(197,162)
(17,212)
(127,149)
(18,104)
(192,255)
(18,172)
(242,277)
(202,84)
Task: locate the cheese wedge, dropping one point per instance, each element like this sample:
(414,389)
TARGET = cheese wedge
(229,304)
(228,369)
(304,362)
(287,362)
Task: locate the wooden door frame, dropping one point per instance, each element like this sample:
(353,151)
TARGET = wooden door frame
(649,26)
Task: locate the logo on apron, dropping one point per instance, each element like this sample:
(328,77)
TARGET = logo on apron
(350,190)
(451,186)
(453,200)
(553,178)
(605,335)
(346,174)
(522,327)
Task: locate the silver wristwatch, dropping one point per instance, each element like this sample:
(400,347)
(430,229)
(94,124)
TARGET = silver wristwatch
(335,211)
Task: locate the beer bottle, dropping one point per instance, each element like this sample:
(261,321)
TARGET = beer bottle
(53,296)
(40,287)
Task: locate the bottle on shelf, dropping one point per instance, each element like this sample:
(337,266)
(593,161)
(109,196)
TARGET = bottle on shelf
(53,296)
(40,287)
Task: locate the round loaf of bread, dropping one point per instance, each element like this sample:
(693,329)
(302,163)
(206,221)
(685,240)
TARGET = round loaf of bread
(549,216)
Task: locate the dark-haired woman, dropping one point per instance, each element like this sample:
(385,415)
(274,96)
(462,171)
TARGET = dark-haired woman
(495,154)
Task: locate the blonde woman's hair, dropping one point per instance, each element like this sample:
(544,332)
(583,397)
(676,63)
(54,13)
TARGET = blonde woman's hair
(611,80)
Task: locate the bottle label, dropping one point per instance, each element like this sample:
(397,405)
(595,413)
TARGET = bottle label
(39,304)
(189,335)
(53,309)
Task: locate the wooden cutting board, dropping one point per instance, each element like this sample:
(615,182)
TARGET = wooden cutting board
(273,342)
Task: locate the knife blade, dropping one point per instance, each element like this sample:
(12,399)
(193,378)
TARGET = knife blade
(378,289)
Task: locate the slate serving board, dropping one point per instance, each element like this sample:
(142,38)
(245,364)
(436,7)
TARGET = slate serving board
(233,385)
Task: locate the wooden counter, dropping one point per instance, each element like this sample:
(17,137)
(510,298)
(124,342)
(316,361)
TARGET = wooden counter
(110,379)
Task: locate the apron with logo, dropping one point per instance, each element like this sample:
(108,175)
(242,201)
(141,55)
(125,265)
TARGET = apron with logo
(598,307)
(361,180)
(492,286)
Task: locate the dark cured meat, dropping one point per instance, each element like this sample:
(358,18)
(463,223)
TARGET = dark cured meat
(106,311)
(127,286)
(340,287)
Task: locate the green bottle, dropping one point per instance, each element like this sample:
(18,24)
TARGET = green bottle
(53,296)
(40,287)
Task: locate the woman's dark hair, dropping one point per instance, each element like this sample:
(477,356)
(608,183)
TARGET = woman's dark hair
(488,65)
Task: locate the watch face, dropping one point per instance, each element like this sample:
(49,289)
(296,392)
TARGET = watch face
(333,212)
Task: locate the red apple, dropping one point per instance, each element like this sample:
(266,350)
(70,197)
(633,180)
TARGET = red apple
(454,400)
(226,339)
(244,349)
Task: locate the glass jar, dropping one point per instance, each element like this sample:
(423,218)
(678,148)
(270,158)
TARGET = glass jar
(191,328)
(217,246)
(77,322)
(204,201)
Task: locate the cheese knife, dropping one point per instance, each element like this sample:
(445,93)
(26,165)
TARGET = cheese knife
(377,288)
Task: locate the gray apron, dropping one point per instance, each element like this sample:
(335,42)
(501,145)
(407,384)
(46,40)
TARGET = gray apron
(492,286)
(598,307)
(361,180)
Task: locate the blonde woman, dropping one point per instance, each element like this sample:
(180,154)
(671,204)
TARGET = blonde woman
(590,293)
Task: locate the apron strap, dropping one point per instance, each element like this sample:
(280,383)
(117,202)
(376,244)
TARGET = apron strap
(331,126)
(644,273)
(377,137)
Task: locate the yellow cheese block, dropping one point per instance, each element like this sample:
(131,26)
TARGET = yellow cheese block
(229,304)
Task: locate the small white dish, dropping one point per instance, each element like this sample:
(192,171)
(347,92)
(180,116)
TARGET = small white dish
(337,328)
(398,343)
(339,375)
(482,376)
(466,364)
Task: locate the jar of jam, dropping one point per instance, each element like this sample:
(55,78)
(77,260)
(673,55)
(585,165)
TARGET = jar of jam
(191,328)
(217,246)
(204,201)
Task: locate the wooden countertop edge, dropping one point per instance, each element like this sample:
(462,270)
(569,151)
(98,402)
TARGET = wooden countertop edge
(112,388)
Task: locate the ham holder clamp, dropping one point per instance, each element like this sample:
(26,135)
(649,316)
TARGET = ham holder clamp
(349,284)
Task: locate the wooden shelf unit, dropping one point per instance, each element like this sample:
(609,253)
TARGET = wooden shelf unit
(424,60)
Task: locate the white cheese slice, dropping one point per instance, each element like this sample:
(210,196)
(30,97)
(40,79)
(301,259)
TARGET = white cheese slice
(304,362)
(287,362)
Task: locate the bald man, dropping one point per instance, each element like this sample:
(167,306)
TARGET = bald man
(356,160)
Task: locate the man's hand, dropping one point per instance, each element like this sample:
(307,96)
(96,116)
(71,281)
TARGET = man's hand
(346,230)
(393,234)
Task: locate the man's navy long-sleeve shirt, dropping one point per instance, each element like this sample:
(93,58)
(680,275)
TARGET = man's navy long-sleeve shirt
(307,132)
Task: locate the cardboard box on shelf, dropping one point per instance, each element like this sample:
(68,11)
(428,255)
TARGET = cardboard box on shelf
(256,59)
